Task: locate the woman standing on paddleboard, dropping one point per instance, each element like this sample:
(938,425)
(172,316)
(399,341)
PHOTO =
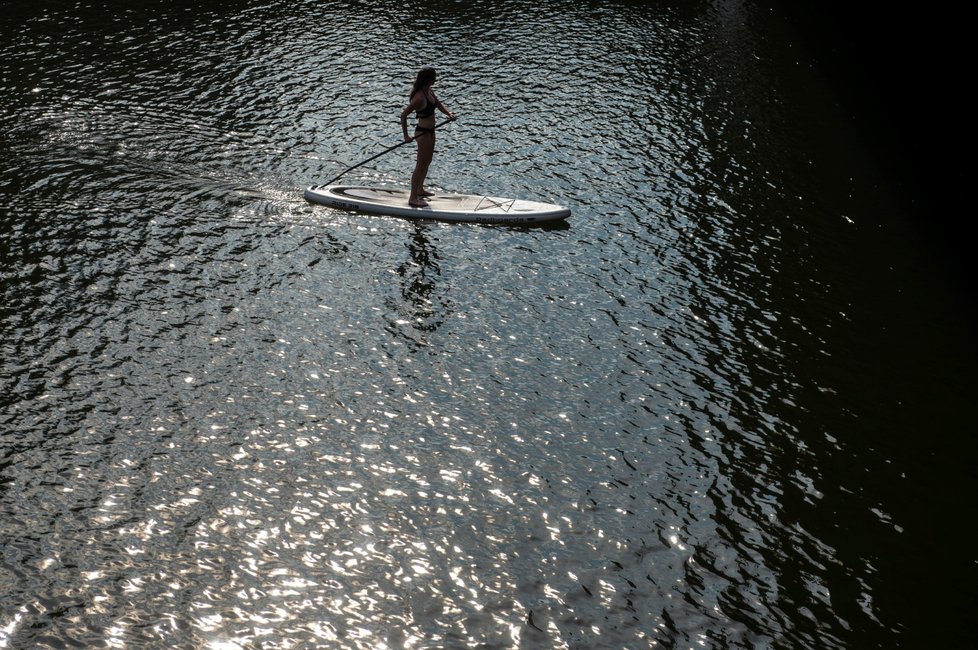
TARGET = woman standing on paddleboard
(422,100)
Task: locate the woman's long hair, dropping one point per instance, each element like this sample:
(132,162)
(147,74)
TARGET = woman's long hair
(425,76)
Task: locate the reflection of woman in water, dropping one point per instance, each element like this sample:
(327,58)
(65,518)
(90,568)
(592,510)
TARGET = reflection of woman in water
(422,99)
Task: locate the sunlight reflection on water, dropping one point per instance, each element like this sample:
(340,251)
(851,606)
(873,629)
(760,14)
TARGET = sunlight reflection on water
(238,420)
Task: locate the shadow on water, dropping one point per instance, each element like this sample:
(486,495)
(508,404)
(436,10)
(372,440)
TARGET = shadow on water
(423,307)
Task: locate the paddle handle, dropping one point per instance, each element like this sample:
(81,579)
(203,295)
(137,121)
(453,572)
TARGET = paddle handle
(374,157)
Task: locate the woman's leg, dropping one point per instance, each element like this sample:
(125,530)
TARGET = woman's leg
(426,151)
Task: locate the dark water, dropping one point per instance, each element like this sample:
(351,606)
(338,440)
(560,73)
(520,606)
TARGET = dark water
(727,405)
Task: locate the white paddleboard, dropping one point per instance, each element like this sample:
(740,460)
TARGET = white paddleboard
(443,206)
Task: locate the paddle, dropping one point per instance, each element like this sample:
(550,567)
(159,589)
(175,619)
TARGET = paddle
(387,150)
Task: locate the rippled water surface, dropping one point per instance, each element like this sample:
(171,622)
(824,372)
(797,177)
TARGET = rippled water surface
(724,405)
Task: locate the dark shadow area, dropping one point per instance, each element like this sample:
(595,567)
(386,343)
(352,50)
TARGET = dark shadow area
(902,77)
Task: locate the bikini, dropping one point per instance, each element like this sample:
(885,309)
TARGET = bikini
(427,111)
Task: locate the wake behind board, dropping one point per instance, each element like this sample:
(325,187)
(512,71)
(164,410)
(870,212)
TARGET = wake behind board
(472,208)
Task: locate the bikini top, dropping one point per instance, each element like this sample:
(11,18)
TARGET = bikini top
(429,108)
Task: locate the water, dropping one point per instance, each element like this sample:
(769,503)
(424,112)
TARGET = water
(723,406)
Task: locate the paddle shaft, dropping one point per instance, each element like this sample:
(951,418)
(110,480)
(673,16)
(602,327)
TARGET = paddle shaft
(374,157)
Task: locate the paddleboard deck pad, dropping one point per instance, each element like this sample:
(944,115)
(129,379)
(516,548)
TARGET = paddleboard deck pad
(442,207)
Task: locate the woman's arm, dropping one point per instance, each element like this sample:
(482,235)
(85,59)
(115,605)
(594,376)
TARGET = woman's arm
(442,108)
(404,116)
(412,106)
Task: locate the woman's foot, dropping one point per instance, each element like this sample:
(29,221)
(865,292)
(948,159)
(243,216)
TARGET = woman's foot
(418,203)
(425,193)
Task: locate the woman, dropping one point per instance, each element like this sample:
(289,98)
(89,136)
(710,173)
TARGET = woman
(423,101)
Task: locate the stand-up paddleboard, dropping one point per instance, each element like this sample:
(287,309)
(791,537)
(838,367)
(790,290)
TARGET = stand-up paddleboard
(472,208)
